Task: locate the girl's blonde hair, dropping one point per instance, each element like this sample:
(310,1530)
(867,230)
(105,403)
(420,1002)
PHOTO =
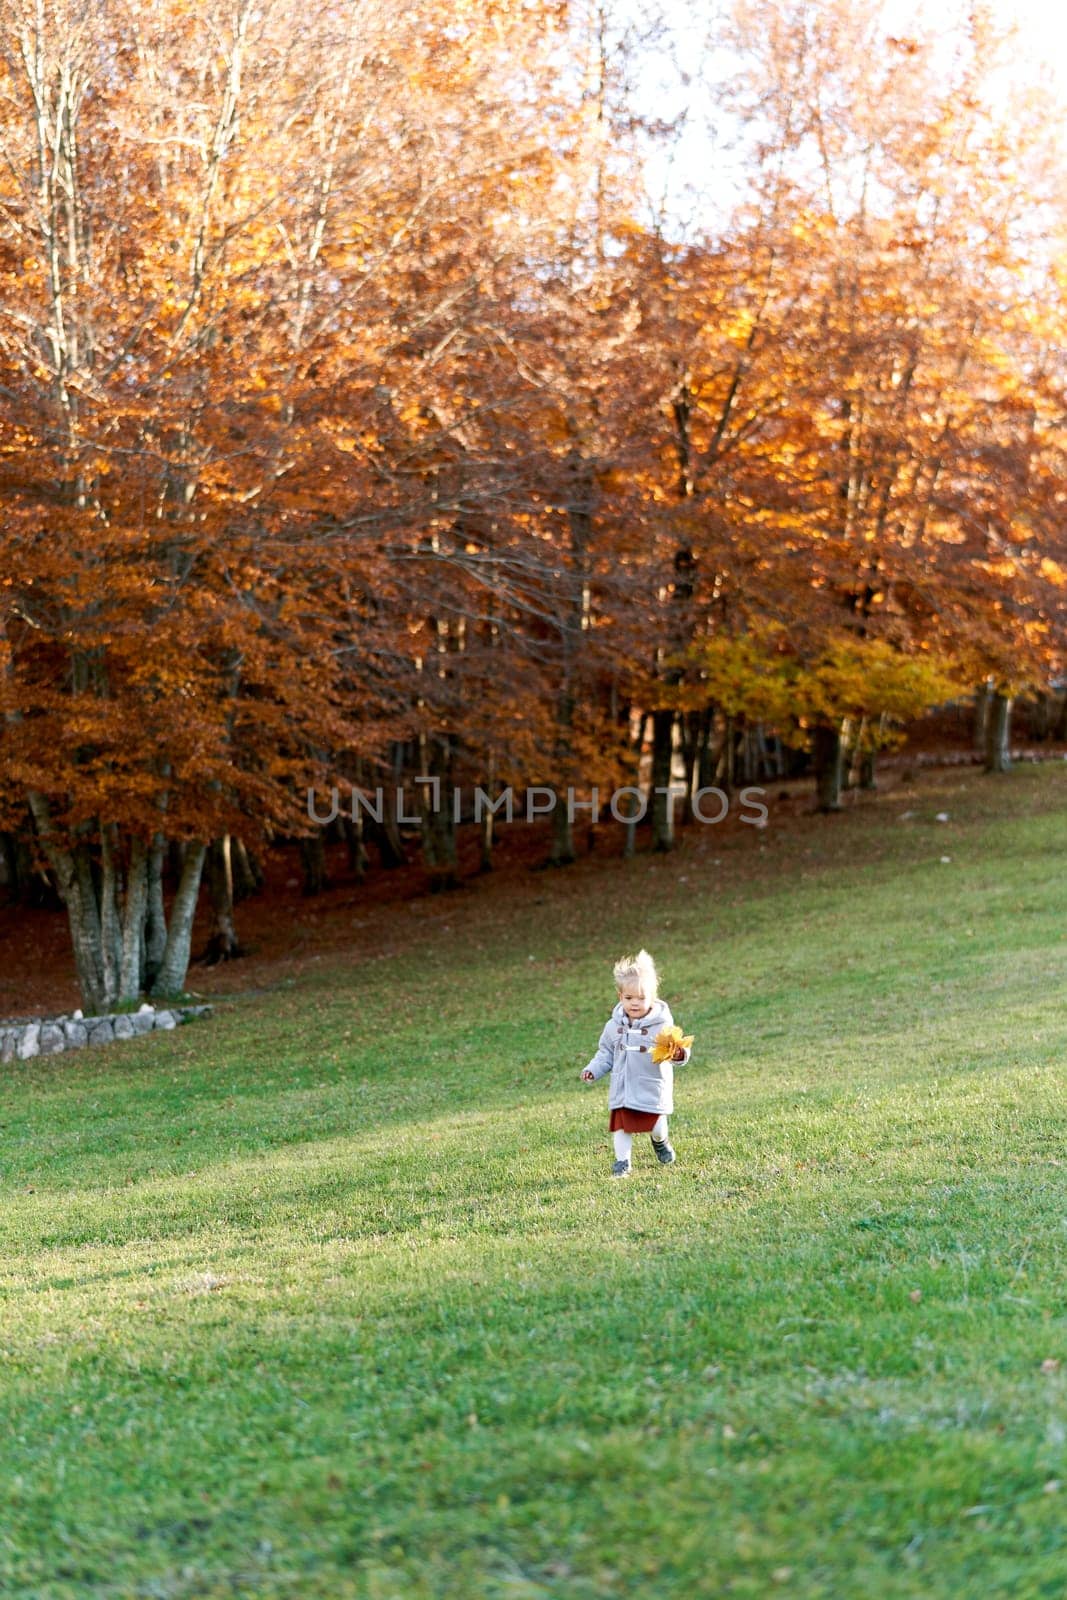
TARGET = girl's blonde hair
(638,969)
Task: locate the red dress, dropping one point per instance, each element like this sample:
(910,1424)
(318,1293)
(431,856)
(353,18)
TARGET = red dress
(632,1121)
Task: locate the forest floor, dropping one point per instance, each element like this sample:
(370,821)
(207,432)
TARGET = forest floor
(330,1295)
(285,933)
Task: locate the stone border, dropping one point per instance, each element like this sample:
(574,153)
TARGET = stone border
(49,1036)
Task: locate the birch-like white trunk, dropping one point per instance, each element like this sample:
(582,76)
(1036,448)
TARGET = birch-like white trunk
(131,968)
(74,874)
(110,896)
(170,979)
(662,802)
(106,914)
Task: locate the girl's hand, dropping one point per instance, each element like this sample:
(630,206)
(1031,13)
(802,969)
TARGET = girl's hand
(587,1076)
(679,1054)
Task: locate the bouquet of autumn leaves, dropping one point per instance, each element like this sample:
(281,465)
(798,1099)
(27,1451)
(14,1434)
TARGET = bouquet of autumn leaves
(667,1041)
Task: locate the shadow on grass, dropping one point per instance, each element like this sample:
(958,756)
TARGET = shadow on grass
(490,1397)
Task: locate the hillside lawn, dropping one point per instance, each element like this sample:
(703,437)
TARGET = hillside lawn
(331,1295)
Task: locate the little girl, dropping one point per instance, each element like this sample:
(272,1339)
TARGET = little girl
(641,1096)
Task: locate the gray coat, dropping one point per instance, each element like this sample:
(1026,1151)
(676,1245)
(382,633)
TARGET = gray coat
(625,1050)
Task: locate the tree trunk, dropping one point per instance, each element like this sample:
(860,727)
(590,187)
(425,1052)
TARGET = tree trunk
(705,757)
(1060,729)
(83,913)
(574,619)
(73,868)
(982,696)
(691,726)
(357,854)
(755,753)
(313,858)
(629,843)
(742,774)
(107,917)
(854,755)
(828,761)
(446,875)
(386,837)
(633,802)
(223,944)
(662,761)
(869,761)
(726,763)
(485,862)
(9,871)
(352,826)
(170,979)
(386,834)
(247,873)
(561,851)
(444,872)
(110,897)
(761,763)
(998,734)
(155,927)
(438,825)
(131,969)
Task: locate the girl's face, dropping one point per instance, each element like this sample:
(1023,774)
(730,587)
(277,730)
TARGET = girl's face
(633,1001)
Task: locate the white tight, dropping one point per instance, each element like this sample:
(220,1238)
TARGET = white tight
(624,1142)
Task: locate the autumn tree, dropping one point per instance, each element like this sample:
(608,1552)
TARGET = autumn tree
(205,220)
(851,401)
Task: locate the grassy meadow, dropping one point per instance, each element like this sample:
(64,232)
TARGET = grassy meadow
(330,1296)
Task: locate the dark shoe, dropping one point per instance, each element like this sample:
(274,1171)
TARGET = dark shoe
(621,1169)
(664,1151)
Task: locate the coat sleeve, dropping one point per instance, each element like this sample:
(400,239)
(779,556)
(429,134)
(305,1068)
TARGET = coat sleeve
(605,1052)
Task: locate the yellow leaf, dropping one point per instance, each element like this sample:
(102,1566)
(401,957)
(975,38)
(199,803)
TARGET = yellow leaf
(668,1040)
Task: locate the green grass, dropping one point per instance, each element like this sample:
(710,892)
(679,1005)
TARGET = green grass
(330,1296)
